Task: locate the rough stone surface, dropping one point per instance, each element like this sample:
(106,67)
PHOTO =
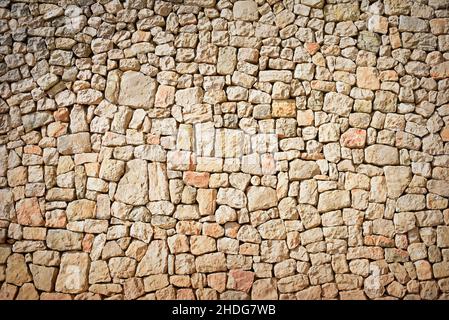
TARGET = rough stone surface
(204,149)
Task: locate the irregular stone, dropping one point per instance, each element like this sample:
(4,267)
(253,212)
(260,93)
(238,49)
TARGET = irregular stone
(112,170)
(73,273)
(264,289)
(246,11)
(211,262)
(353,138)
(133,186)
(29,212)
(16,270)
(341,12)
(333,200)
(303,170)
(261,198)
(64,240)
(137,90)
(81,209)
(74,143)
(381,155)
(338,103)
(397,179)
(155,260)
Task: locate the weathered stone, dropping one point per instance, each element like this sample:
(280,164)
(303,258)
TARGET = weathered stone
(240,280)
(284,108)
(338,103)
(397,178)
(155,260)
(64,240)
(232,197)
(112,170)
(73,273)
(302,170)
(36,120)
(264,289)
(44,278)
(74,143)
(133,186)
(261,198)
(341,12)
(381,155)
(137,90)
(353,138)
(29,212)
(80,210)
(16,270)
(334,200)
(368,78)
(211,262)
(245,10)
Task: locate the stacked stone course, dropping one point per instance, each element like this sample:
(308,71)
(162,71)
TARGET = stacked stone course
(222,149)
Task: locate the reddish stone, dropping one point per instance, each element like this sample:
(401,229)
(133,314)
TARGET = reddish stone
(62,114)
(87,242)
(381,241)
(240,280)
(312,47)
(29,212)
(353,138)
(196,179)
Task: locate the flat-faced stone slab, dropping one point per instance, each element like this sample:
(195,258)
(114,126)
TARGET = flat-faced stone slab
(137,90)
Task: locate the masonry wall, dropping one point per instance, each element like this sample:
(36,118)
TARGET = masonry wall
(205,149)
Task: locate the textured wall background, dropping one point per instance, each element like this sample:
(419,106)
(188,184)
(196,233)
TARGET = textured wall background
(205,149)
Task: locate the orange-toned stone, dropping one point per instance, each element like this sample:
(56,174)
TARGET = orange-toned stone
(57,129)
(240,280)
(231,229)
(445,133)
(185,294)
(55,219)
(213,230)
(353,138)
(388,75)
(153,138)
(439,26)
(217,281)
(196,179)
(87,242)
(305,118)
(312,47)
(62,114)
(380,241)
(368,78)
(29,212)
(284,108)
(249,249)
(32,150)
(165,96)
(188,227)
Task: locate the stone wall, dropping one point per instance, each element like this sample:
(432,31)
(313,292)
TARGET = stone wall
(205,149)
